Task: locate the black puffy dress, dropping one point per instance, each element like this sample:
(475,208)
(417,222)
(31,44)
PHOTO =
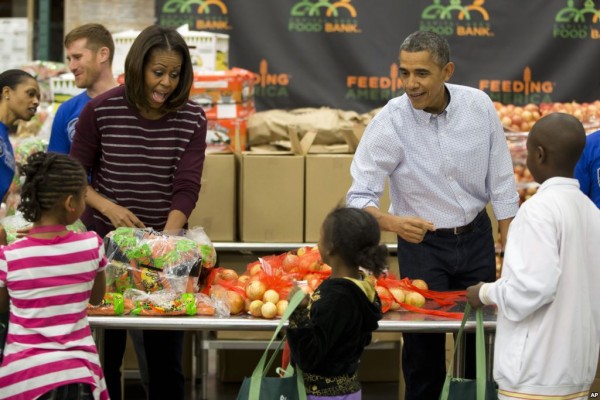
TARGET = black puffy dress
(327,338)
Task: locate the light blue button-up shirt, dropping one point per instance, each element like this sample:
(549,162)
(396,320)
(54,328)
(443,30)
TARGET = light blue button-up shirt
(443,168)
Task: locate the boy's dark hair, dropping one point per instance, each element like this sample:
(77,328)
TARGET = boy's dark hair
(97,37)
(150,39)
(435,44)
(354,235)
(49,178)
(13,77)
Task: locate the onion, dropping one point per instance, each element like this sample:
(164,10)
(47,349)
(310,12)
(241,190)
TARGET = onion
(255,308)
(268,310)
(271,296)
(255,290)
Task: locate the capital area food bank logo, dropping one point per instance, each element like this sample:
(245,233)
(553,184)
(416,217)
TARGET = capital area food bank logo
(198,14)
(571,22)
(374,88)
(518,92)
(455,19)
(323,16)
(270,84)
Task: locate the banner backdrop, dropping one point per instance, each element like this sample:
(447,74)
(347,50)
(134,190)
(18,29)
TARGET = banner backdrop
(344,54)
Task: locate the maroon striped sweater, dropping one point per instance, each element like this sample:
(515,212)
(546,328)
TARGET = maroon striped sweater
(147,166)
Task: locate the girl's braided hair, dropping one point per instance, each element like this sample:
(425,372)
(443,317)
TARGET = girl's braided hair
(49,178)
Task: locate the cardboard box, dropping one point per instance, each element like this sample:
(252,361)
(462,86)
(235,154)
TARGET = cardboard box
(232,86)
(229,134)
(272,198)
(243,335)
(216,208)
(328,180)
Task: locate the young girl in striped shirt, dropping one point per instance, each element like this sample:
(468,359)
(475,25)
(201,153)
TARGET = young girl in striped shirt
(47,278)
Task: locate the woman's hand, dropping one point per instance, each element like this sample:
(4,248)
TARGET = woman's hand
(120,217)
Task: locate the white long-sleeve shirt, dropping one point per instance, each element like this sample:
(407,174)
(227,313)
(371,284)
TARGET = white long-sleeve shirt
(548,297)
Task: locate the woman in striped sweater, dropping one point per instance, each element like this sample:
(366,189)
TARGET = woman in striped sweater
(47,278)
(144,145)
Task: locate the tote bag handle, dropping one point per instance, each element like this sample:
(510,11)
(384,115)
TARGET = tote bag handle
(261,369)
(479,356)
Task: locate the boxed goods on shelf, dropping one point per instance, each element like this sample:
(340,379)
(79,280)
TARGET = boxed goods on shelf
(229,110)
(209,51)
(231,86)
(227,134)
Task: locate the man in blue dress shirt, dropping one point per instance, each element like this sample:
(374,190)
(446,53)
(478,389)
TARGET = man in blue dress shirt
(587,170)
(443,149)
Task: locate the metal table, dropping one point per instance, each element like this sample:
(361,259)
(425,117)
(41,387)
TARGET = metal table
(393,321)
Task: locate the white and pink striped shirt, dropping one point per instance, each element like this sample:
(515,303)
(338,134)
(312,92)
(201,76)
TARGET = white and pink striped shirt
(49,341)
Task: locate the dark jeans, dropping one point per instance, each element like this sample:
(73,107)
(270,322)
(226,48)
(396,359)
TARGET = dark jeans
(446,262)
(164,357)
(72,391)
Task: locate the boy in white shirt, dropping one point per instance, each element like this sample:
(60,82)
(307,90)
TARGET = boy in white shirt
(548,329)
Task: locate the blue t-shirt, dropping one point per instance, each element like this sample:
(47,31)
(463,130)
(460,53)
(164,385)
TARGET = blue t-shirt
(587,170)
(63,126)
(7,161)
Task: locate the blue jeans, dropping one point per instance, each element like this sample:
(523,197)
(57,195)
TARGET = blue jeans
(446,262)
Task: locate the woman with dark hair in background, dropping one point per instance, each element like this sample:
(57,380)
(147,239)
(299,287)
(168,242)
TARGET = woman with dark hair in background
(144,145)
(19,100)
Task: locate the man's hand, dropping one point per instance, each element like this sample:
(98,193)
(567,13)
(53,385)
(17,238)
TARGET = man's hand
(412,229)
(473,295)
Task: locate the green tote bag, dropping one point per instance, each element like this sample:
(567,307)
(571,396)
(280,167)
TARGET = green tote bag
(467,389)
(288,387)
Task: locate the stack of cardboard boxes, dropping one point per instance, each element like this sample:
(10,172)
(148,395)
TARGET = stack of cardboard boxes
(275,196)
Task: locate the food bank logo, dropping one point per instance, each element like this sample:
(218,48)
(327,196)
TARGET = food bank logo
(198,14)
(323,16)
(269,84)
(577,23)
(518,92)
(374,88)
(455,19)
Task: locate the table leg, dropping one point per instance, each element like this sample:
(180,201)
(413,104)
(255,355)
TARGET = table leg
(204,358)
(459,357)
(490,337)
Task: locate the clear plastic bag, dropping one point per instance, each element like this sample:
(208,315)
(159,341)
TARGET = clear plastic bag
(153,261)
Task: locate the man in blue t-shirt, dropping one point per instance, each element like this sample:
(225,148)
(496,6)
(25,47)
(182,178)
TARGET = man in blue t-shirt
(89,52)
(587,170)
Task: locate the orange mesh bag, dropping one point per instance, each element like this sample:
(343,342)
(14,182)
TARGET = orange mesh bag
(400,289)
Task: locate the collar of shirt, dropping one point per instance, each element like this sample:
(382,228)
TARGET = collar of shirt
(558,181)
